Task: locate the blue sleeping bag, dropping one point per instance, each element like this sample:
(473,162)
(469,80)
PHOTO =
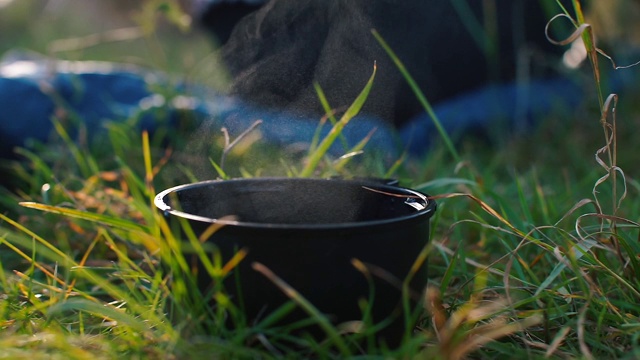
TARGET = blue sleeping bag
(34,90)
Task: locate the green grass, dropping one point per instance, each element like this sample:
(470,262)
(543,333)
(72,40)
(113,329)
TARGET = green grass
(524,260)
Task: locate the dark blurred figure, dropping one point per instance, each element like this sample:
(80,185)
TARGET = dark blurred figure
(220,16)
(456,50)
(450,47)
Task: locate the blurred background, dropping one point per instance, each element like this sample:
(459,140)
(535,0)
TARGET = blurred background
(163,35)
(175,37)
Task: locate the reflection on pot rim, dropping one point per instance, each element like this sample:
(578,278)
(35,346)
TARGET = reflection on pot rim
(424,207)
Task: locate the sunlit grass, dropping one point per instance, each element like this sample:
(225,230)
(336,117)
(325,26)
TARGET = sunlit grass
(533,253)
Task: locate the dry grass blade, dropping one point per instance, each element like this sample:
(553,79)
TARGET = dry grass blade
(484,207)
(294,295)
(577,206)
(471,262)
(610,148)
(461,333)
(433,305)
(491,332)
(576,252)
(557,341)
(361,267)
(404,196)
(220,222)
(577,33)
(228,146)
(613,63)
(234,261)
(584,31)
(381,274)
(583,346)
(611,218)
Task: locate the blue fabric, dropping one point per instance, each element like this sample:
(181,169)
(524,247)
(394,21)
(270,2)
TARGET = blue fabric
(98,92)
(30,96)
(512,107)
(287,129)
(25,113)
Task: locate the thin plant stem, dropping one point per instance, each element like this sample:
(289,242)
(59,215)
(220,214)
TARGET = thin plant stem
(420,95)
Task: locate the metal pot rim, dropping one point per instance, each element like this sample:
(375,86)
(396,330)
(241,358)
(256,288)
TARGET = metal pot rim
(423,214)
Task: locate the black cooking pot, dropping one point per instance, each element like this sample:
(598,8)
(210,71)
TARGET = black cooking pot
(307,231)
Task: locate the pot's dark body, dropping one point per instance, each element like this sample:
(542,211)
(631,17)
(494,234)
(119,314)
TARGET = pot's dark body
(307,231)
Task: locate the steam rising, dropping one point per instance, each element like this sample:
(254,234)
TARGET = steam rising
(275,55)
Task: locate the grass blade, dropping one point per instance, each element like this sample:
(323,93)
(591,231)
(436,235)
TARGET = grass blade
(354,151)
(420,95)
(221,172)
(85,215)
(329,114)
(322,320)
(325,144)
